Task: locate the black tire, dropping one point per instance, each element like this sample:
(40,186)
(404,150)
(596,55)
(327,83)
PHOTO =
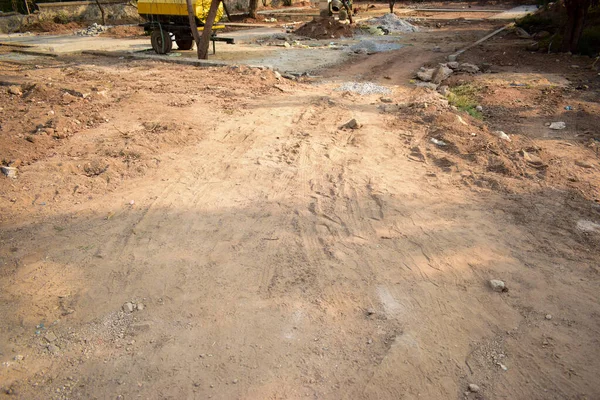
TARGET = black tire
(161,41)
(184,44)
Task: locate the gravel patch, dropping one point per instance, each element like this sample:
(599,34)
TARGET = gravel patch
(392,23)
(363,88)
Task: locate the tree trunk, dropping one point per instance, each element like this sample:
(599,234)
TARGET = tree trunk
(193,26)
(252,8)
(205,39)
(101,12)
(576,13)
(392,3)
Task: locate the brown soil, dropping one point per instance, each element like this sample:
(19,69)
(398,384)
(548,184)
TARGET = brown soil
(268,253)
(50,27)
(324,28)
(124,31)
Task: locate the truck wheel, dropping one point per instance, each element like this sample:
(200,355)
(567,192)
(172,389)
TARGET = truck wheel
(184,44)
(161,41)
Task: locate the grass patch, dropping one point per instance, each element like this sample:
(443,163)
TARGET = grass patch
(463,98)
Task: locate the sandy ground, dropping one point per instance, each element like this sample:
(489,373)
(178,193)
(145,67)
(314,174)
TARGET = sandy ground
(177,232)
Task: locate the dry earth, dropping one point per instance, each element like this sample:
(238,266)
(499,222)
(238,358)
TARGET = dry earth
(269,254)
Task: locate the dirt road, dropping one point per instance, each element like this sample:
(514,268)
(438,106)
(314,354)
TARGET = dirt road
(269,254)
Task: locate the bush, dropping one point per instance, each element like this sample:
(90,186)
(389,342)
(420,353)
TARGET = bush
(61,17)
(463,98)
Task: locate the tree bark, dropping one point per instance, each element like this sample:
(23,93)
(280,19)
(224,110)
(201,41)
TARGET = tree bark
(193,26)
(392,3)
(252,8)
(205,39)
(101,12)
(576,13)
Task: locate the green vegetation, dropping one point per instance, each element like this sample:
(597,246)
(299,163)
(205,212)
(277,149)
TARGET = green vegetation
(463,98)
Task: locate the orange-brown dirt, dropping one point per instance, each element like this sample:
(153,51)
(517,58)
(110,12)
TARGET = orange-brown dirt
(176,232)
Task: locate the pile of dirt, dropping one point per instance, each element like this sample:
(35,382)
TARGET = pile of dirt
(47,26)
(324,28)
(124,31)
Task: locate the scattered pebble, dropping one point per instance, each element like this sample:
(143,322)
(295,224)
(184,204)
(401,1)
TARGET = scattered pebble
(352,124)
(473,388)
(50,337)
(15,90)
(498,285)
(438,142)
(502,135)
(548,316)
(558,125)
(140,306)
(128,307)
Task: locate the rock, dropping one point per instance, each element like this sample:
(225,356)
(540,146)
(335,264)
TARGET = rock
(522,33)
(9,172)
(140,306)
(15,90)
(386,100)
(287,45)
(443,90)
(485,67)
(50,337)
(583,164)
(19,357)
(479,108)
(277,75)
(541,35)
(470,68)
(235,381)
(535,46)
(128,307)
(352,124)
(498,285)
(502,135)
(52,348)
(473,388)
(425,74)
(438,142)
(427,85)
(436,49)
(557,125)
(533,159)
(441,73)
(452,64)
(548,316)
(362,50)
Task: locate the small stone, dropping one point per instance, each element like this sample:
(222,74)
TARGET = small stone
(473,388)
(548,316)
(479,108)
(52,348)
(436,49)
(557,125)
(425,74)
(470,68)
(386,100)
(532,159)
(369,341)
(352,124)
(128,307)
(9,172)
(19,357)
(541,35)
(452,64)
(50,337)
(277,75)
(441,73)
(15,90)
(443,90)
(287,45)
(501,135)
(235,381)
(583,164)
(498,285)
(140,306)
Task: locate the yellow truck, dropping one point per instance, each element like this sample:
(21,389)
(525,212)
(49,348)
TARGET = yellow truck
(168,21)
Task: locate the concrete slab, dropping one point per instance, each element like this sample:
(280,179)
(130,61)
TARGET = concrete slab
(63,44)
(517,12)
